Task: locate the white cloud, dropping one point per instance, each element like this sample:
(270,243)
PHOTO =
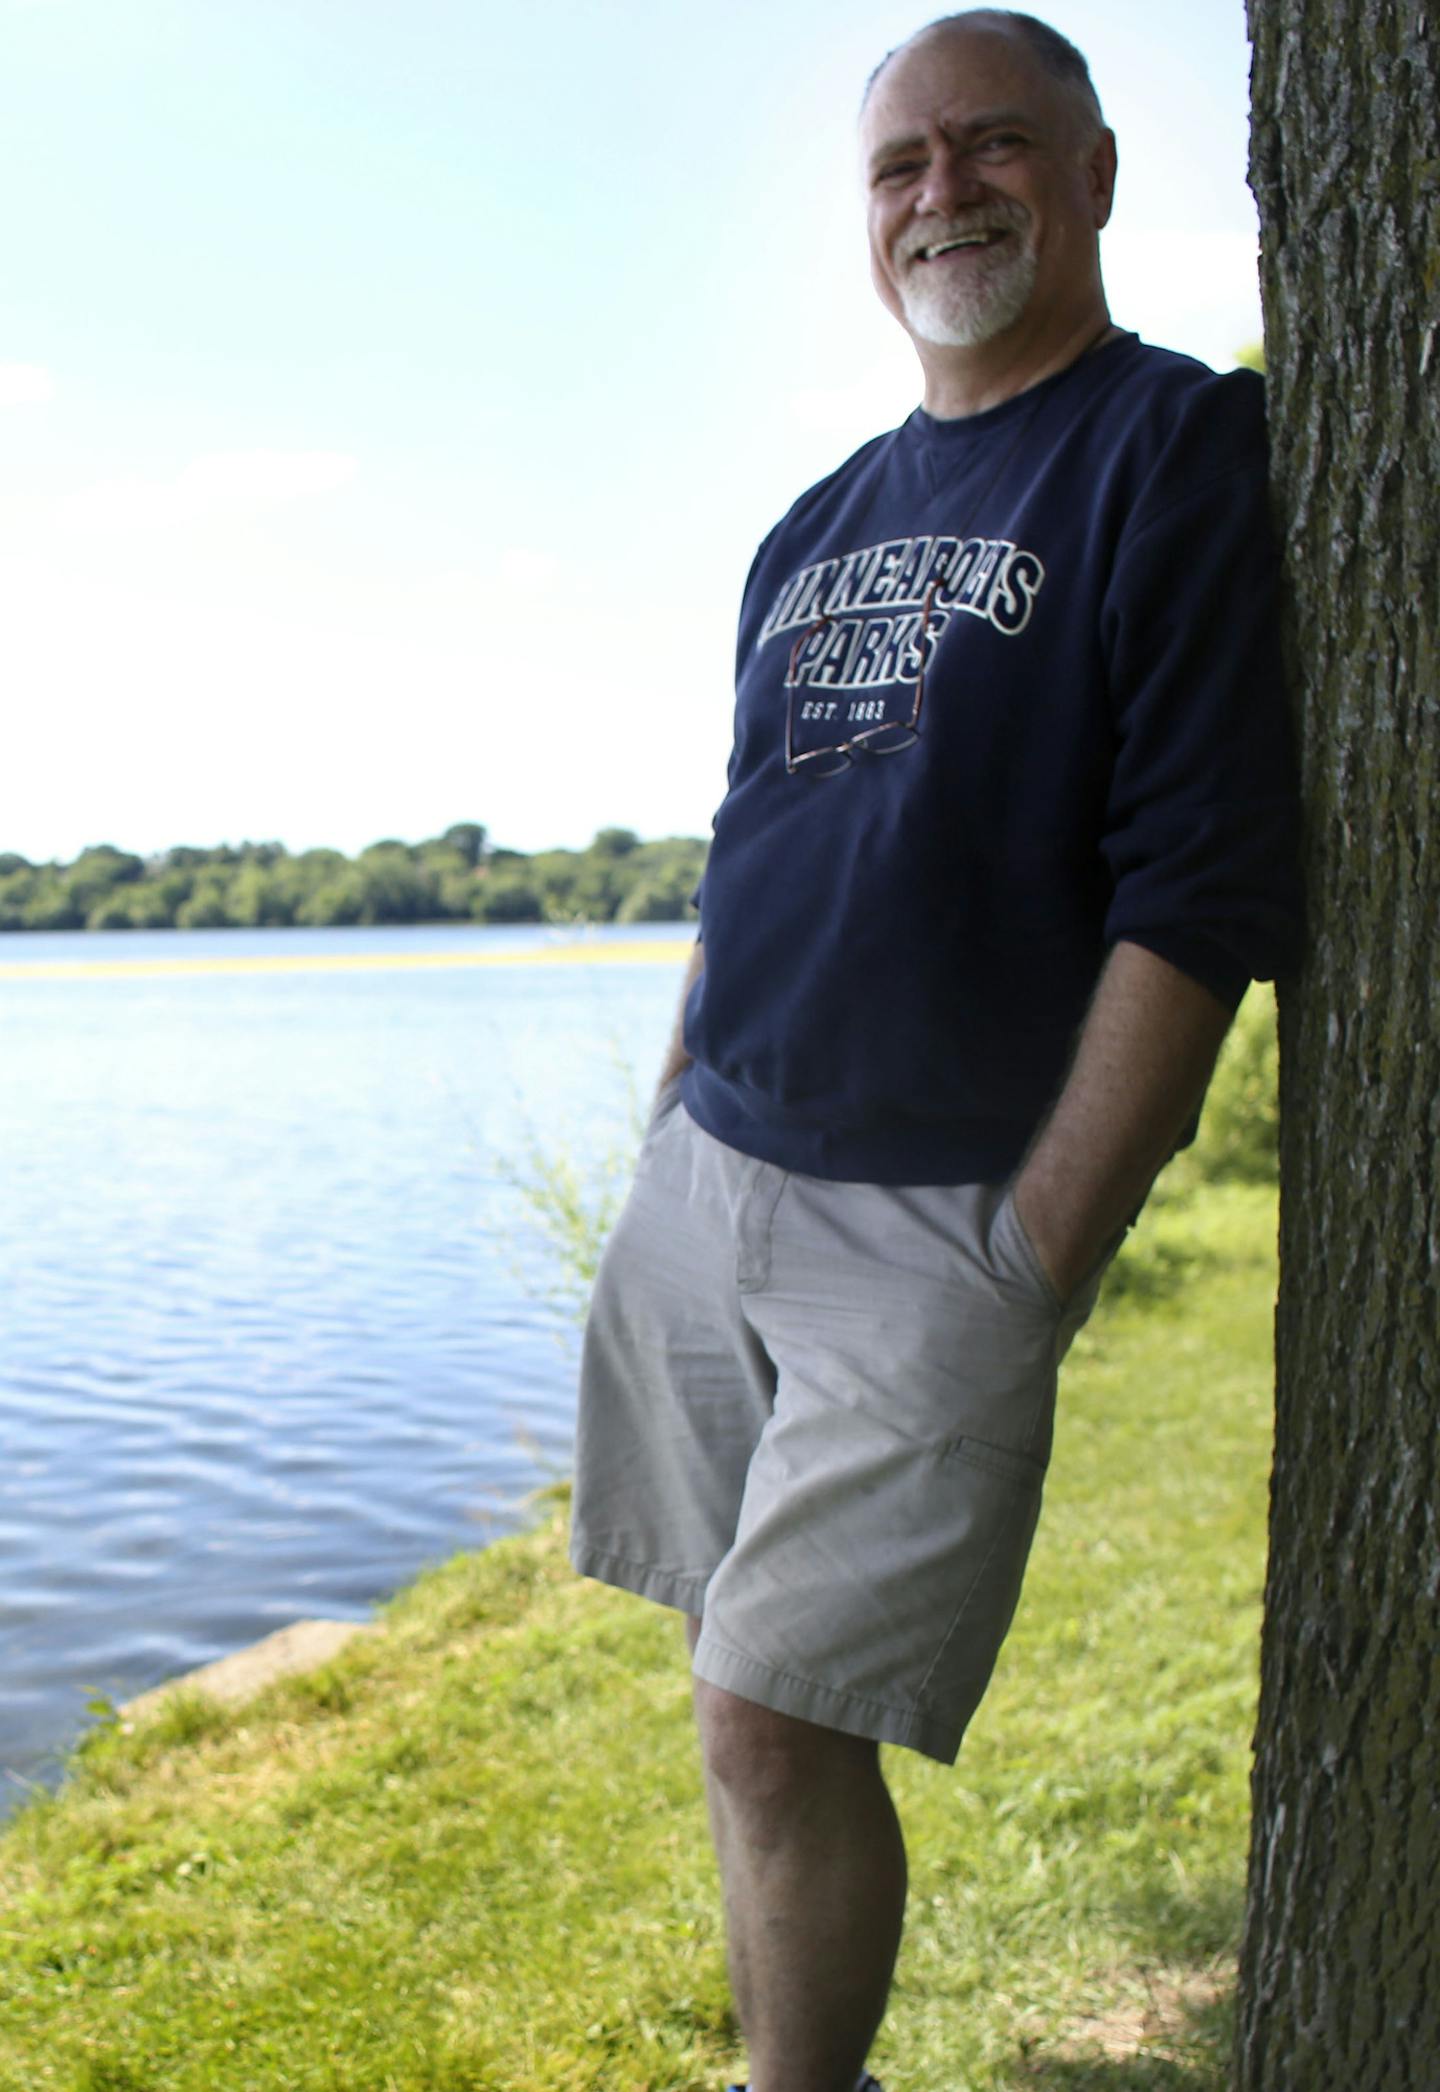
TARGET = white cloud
(25,385)
(218,483)
(851,413)
(1197,290)
(266,475)
(524,571)
(205,708)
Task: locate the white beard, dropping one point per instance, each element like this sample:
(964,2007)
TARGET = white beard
(956,315)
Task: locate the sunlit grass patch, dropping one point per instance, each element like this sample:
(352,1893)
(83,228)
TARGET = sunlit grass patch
(469,1854)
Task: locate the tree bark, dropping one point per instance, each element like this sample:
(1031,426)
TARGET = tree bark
(1340,1972)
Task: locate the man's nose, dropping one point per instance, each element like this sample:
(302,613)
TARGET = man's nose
(952,182)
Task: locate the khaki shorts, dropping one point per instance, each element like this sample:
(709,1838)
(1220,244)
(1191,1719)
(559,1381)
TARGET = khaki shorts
(818,1415)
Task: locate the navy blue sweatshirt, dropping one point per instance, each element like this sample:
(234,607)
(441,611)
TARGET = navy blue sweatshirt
(898,956)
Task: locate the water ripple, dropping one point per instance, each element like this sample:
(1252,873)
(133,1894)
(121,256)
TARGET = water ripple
(265,1350)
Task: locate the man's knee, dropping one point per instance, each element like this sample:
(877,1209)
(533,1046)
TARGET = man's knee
(772,1765)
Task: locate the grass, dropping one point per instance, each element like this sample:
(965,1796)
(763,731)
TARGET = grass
(1085,1863)
(469,1855)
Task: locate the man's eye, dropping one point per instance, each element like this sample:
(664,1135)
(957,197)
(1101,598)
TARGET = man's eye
(1000,142)
(898,171)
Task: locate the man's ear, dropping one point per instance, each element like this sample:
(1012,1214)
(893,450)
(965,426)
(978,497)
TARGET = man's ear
(1100,170)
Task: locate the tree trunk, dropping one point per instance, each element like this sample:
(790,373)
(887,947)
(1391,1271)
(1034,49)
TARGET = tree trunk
(1340,1973)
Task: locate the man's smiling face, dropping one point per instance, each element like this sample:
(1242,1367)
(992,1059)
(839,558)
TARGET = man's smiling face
(987,181)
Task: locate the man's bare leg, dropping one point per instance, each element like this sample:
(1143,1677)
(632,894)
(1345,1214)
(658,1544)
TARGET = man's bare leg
(813,1868)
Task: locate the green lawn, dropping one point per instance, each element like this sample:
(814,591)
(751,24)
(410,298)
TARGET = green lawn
(469,1856)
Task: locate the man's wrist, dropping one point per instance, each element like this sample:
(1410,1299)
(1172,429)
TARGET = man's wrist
(1066,1253)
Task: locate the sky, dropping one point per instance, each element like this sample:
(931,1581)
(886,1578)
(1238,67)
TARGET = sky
(392,397)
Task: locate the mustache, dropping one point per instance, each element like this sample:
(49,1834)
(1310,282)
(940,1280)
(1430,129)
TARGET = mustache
(993,218)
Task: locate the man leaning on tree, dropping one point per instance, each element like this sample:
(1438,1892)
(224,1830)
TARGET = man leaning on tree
(1010,826)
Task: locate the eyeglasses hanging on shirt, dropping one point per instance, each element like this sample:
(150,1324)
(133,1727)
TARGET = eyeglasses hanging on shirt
(885,737)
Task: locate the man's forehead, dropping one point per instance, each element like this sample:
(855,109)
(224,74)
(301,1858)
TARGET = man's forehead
(966,74)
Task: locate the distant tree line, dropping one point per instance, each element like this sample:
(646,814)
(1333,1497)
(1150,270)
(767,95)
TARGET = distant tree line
(454,877)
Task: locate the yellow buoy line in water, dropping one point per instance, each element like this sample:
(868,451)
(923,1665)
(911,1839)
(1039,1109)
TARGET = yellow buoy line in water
(633,951)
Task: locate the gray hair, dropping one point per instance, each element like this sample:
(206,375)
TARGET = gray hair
(1052,52)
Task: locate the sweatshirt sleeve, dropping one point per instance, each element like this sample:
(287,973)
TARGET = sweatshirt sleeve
(1201,825)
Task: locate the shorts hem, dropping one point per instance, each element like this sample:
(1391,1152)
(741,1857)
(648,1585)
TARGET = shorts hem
(853,1714)
(682,1589)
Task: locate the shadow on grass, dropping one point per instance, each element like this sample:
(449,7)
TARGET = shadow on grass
(1137,2074)
(1180,2046)
(1165,2022)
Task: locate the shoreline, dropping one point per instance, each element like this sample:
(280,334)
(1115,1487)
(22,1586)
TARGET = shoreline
(305,1645)
(631,952)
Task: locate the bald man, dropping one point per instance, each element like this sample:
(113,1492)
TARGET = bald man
(1009,828)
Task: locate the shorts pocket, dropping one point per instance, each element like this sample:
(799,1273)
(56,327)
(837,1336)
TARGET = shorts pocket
(1025,1470)
(666,1098)
(1014,1252)
(667,1101)
(995,1495)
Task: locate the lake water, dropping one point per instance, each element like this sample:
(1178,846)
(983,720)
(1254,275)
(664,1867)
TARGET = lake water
(277,1326)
